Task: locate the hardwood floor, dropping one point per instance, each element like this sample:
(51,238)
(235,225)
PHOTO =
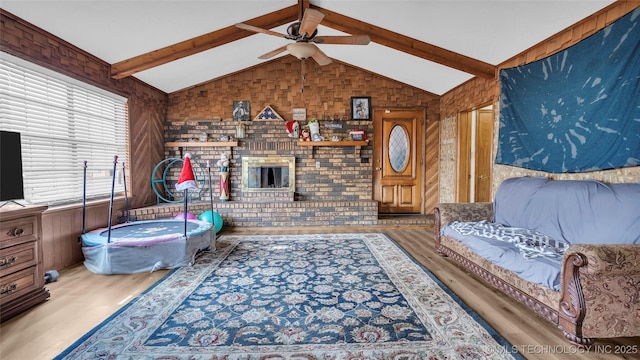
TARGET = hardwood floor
(80,300)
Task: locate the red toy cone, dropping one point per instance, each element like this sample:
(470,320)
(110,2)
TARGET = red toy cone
(187,180)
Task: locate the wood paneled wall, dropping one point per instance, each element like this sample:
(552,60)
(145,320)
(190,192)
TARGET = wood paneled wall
(146,146)
(147,105)
(432,166)
(62,228)
(327,92)
(477,91)
(147,112)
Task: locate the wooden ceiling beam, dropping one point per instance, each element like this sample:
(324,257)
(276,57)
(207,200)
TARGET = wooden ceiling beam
(200,43)
(408,45)
(333,20)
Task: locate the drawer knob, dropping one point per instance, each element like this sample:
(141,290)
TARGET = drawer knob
(16,232)
(7,261)
(8,289)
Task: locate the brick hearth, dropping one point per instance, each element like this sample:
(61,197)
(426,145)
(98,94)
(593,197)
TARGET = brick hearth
(273,214)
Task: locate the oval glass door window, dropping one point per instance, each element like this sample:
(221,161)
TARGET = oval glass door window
(398,148)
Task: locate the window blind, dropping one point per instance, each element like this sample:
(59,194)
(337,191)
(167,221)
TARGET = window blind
(63,122)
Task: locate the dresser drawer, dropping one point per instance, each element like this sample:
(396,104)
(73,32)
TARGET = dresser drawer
(13,232)
(17,257)
(17,284)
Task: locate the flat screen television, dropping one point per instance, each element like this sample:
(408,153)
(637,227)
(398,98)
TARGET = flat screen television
(11,186)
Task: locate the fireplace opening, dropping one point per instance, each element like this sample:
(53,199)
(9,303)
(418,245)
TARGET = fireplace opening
(274,173)
(268,177)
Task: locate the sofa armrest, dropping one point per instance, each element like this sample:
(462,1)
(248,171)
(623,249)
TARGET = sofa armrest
(448,212)
(601,291)
(609,259)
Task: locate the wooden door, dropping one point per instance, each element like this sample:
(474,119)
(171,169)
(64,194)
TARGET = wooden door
(474,159)
(397,176)
(483,158)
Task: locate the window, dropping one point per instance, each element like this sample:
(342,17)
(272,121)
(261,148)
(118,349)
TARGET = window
(63,122)
(398,148)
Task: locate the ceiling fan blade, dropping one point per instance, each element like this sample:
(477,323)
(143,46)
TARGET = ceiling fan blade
(347,40)
(310,21)
(248,27)
(321,58)
(273,53)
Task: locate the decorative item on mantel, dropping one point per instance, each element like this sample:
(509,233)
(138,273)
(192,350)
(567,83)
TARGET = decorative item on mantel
(335,122)
(240,131)
(314,128)
(293,129)
(333,125)
(358,135)
(223,166)
(305,135)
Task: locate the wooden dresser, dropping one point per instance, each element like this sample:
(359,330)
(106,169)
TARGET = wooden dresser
(21,272)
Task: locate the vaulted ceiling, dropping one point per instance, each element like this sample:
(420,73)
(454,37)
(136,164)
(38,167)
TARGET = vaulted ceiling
(434,45)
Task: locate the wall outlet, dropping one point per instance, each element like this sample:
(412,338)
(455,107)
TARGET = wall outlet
(317,164)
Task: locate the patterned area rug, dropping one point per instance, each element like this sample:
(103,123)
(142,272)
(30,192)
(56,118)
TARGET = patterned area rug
(321,296)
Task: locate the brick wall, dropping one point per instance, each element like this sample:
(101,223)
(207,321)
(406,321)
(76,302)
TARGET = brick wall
(275,214)
(342,174)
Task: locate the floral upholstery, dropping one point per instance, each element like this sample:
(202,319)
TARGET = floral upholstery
(540,293)
(469,212)
(610,279)
(611,287)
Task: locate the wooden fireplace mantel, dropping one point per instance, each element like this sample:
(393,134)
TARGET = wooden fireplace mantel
(183,144)
(357,144)
(201,144)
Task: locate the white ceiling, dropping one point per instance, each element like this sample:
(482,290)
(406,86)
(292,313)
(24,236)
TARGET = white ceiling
(490,31)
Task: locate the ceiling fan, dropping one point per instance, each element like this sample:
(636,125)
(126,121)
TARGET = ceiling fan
(303,32)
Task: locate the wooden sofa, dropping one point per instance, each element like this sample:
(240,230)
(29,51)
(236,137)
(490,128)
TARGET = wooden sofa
(599,290)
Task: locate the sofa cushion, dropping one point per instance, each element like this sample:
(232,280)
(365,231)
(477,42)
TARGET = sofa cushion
(506,253)
(543,294)
(577,211)
(531,243)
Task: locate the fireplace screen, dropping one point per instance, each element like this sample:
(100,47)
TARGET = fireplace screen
(268,173)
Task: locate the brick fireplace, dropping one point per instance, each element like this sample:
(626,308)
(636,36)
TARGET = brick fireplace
(325,186)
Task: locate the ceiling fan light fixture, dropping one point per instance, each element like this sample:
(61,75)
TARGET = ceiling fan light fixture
(301,50)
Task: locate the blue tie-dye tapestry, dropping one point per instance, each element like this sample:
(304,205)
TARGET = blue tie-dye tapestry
(577,110)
